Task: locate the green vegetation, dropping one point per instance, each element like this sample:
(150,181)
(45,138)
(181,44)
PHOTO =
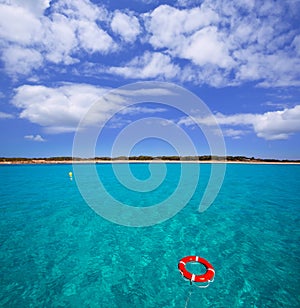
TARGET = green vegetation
(69,159)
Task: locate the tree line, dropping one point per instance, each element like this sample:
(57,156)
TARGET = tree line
(142,158)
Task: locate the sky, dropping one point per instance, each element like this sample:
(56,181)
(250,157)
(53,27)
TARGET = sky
(240,57)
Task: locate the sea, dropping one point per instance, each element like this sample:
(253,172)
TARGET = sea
(58,251)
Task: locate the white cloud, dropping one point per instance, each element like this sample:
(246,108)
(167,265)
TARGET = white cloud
(273,125)
(208,74)
(278,124)
(59,109)
(117,122)
(71,27)
(272,70)
(18,25)
(216,42)
(93,39)
(189,34)
(256,45)
(81,10)
(60,40)
(169,26)
(128,27)
(233,133)
(83,18)
(140,110)
(20,60)
(206,47)
(4,115)
(276,105)
(150,65)
(36,7)
(37,138)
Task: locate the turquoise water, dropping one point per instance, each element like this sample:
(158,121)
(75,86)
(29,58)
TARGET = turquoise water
(57,252)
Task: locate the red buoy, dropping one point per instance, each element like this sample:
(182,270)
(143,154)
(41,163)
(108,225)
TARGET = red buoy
(208,276)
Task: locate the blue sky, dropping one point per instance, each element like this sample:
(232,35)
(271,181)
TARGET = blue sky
(241,57)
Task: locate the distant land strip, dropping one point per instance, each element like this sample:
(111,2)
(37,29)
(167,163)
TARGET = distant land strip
(141,158)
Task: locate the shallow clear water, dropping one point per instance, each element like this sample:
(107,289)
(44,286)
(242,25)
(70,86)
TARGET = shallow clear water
(57,252)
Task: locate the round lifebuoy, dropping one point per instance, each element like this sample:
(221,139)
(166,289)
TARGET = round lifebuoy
(206,277)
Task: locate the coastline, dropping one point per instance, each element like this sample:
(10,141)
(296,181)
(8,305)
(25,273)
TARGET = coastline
(70,162)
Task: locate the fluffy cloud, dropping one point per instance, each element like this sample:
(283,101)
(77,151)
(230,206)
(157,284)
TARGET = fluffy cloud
(17,39)
(25,28)
(189,34)
(32,37)
(37,138)
(278,124)
(81,10)
(234,133)
(128,27)
(273,125)
(20,60)
(93,39)
(58,109)
(206,47)
(256,45)
(36,7)
(60,40)
(169,27)
(219,43)
(150,65)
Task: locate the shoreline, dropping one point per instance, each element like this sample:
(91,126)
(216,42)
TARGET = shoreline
(58,162)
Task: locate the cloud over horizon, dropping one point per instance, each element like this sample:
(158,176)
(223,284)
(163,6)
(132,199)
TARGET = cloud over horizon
(37,138)
(60,109)
(272,125)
